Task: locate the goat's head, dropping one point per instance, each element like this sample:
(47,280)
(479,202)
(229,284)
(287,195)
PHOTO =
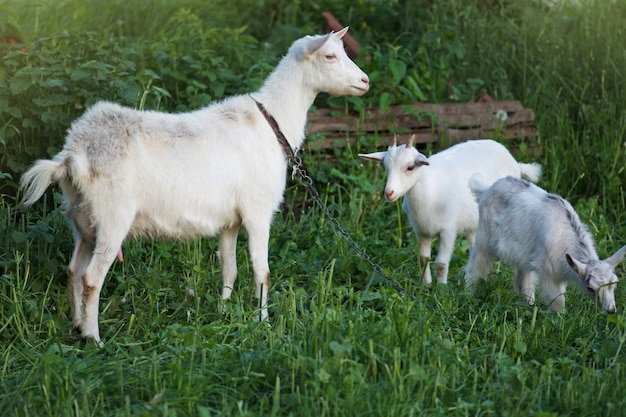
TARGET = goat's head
(331,70)
(402,166)
(599,278)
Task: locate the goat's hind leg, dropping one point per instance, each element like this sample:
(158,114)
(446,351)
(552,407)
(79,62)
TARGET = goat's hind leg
(83,251)
(227,254)
(112,230)
(258,245)
(92,281)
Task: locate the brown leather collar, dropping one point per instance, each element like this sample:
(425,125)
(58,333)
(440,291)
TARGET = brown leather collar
(289,152)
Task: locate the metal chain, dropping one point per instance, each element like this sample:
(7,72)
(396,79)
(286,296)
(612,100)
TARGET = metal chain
(307,181)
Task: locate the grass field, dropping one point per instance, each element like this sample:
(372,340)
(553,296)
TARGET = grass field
(340,340)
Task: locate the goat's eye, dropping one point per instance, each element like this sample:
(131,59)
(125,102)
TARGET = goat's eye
(331,57)
(410,168)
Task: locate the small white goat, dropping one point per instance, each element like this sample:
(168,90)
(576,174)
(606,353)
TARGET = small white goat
(437,198)
(542,238)
(134,173)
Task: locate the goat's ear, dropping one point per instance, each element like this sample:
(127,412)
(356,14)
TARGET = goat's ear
(376,156)
(317,43)
(617,257)
(421,160)
(342,32)
(576,265)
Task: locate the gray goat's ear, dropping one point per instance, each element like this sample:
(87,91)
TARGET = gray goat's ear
(376,156)
(576,265)
(617,257)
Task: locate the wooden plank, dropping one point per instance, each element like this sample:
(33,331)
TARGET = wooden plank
(452,114)
(447,122)
(447,137)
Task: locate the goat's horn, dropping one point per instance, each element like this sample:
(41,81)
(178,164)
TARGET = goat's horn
(410,143)
(395,140)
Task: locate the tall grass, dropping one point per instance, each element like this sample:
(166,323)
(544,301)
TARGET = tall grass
(341,342)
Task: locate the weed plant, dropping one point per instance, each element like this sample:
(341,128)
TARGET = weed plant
(341,341)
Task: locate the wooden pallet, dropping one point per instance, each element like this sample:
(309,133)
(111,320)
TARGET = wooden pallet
(441,124)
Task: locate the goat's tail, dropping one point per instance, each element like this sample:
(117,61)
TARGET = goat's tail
(478,186)
(38,178)
(532,172)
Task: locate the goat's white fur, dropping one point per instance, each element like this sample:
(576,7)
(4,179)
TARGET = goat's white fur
(437,198)
(134,173)
(542,238)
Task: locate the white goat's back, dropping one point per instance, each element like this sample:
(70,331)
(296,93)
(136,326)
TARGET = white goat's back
(451,168)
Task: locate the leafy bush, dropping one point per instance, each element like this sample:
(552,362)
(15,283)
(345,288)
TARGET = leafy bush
(193,64)
(44,87)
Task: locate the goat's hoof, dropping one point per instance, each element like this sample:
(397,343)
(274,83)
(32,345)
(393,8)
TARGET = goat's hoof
(93,339)
(77,332)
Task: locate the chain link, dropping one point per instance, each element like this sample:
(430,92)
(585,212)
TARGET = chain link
(304,179)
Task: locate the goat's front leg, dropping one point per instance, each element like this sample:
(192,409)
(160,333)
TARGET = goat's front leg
(478,265)
(553,291)
(425,243)
(524,283)
(444,254)
(228,259)
(258,245)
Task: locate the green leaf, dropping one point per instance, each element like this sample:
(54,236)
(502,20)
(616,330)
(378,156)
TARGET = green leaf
(20,83)
(520,346)
(55,82)
(415,89)
(398,69)
(14,112)
(19,237)
(384,102)
(323,376)
(340,349)
(79,74)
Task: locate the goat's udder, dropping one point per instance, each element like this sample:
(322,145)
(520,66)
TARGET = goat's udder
(120,256)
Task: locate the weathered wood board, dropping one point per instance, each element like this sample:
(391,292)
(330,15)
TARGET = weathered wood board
(444,124)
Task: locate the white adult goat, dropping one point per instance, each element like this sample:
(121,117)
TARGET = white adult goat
(542,238)
(437,198)
(148,174)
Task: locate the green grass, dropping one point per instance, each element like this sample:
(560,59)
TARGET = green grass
(340,340)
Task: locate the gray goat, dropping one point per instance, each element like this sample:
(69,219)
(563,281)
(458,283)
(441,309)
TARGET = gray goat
(542,238)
